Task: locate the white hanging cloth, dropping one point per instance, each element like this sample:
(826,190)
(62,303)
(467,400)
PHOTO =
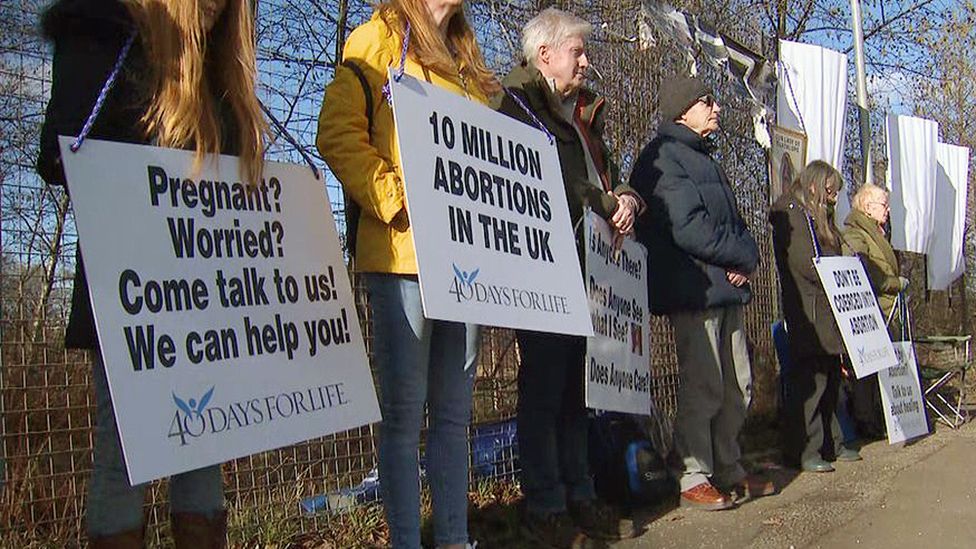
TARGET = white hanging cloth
(946,262)
(811,97)
(912,168)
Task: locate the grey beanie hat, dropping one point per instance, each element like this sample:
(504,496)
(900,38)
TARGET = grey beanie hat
(678,94)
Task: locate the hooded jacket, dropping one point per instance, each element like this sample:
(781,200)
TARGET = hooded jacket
(368,165)
(88,36)
(692,227)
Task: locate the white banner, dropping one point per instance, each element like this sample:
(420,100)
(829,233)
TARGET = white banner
(225,316)
(488,211)
(812,87)
(945,262)
(912,167)
(618,356)
(857,314)
(901,396)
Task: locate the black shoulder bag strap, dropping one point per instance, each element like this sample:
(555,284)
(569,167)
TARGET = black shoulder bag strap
(352,209)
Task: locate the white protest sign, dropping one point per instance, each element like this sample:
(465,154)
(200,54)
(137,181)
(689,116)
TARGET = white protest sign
(618,355)
(225,316)
(901,396)
(857,314)
(488,211)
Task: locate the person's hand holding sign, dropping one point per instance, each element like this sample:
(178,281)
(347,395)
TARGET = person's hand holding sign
(625,215)
(623,218)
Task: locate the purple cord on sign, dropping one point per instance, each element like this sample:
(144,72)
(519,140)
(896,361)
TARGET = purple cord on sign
(398,74)
(528,111)
(106,87)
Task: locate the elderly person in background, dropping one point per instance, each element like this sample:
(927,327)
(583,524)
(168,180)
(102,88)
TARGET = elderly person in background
(560,501)
(701,258)
(864,236)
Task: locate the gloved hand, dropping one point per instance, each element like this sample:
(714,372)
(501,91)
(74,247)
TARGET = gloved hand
(903,283)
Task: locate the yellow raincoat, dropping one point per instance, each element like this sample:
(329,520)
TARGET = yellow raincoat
(368,166)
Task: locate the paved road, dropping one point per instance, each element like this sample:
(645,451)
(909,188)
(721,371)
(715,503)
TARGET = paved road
(922,495)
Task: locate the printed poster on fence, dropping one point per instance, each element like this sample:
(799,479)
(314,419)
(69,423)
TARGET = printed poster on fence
(787,158)
(618,355)
(488,212)
(901,396)
(224,311)
(857,314)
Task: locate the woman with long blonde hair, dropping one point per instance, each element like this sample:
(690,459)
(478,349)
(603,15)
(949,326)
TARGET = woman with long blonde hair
(804,230)
(187,82)
(418,361)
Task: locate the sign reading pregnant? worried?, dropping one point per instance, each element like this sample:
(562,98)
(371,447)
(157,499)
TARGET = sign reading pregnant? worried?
(225,316)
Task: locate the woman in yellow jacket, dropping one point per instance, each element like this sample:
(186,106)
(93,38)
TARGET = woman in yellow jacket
(418,361)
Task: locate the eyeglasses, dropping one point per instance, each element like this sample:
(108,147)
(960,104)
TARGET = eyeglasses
(884,205)
(708,100)
(830,190)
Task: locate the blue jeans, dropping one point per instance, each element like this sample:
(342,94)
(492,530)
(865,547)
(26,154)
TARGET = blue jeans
(421,361)
(552,422)
(114,506)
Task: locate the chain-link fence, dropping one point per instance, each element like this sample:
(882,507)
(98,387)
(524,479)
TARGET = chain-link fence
(46,399)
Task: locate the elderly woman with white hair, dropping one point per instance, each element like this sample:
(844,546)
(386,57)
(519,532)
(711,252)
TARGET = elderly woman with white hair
(864,236)
(546,91)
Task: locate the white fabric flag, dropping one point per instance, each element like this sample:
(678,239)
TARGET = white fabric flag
(945,261)
(811,97)
(911,177)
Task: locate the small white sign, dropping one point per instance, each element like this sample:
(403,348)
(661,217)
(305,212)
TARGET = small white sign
(488,212)
(225,316)
(857,314)
(901,396)
(618,356)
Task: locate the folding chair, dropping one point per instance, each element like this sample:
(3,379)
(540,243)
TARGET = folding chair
(945,401)
(952,360)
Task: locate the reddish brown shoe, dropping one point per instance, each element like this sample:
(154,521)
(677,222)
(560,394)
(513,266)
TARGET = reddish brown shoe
(753,486)
(706,497)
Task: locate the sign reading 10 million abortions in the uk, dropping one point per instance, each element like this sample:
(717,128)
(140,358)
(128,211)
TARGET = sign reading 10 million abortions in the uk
(224,312)
(488,212)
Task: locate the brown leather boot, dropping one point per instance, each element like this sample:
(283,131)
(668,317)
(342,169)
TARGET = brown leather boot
(195,531)
(133,539)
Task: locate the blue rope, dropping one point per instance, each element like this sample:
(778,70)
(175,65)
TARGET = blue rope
(528,111)
(813,235)
(283,131)
(106,87)
(398,74)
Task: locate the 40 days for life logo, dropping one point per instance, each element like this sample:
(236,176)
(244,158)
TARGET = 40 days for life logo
(464,287)
(197,417)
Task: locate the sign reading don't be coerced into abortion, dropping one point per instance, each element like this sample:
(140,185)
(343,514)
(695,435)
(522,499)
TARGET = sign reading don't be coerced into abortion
(857,314)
